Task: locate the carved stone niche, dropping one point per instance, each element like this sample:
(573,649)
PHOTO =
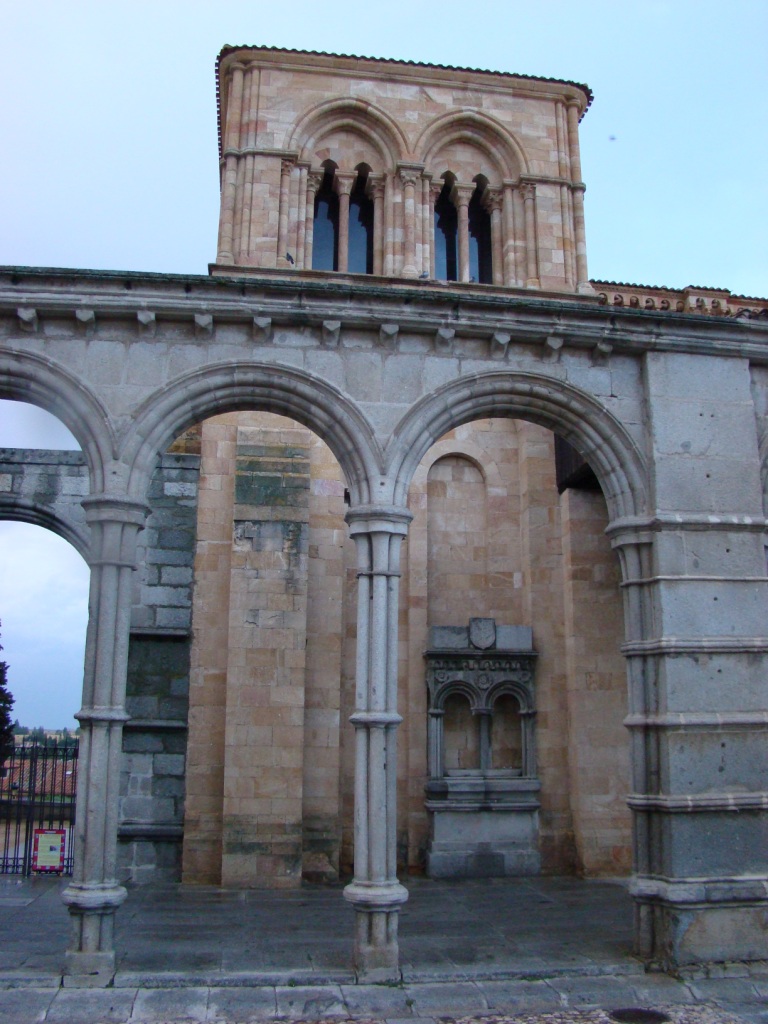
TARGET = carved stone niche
(482,793)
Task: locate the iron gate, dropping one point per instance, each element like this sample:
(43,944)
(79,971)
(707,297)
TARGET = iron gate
(38,783)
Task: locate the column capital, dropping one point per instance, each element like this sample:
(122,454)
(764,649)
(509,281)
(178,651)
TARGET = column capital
(461,194)
(493,199)
(344,182)
(287,163)
(376,186)
(314,180)
(528,189)
(409,174)
(107,508)
(435,189)
(378,519)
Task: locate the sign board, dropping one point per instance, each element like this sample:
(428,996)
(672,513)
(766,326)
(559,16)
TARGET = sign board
(48,849)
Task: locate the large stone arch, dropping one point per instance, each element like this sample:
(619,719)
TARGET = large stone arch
(480,130)
(358,116)
(21,510)
(235,386)
(26,377)
(562,408)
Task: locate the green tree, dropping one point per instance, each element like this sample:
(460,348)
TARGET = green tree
(6,722)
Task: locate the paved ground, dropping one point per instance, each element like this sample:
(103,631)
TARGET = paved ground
(523,950)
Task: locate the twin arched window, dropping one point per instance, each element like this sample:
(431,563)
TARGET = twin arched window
(447,234)
(359,234)
(357,243)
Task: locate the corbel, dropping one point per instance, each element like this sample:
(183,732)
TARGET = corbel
(499,343)
(147,323)
(86,321)
(27,319)
(331,333)
(388,335)
(203,325)
(261,329)
(553,346)
(444,339)
(601,352)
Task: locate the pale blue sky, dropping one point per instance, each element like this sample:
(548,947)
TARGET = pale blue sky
(110,162)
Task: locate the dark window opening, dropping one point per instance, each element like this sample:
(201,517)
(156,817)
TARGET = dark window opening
(480,255)
(325,239)
(446,236)
(360,251)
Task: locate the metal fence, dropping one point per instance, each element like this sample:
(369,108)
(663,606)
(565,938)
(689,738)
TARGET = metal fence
(38,783)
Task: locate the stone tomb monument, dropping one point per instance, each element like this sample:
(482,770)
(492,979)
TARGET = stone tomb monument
(482,792)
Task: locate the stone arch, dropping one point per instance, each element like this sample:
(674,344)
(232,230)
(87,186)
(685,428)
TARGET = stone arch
(560,407)
(364,119)
(463,449)
(487,134)
(232,387)
(26,377)
(21,510)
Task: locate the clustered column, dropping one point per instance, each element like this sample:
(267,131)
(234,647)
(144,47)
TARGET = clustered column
(375,892)
(94,895)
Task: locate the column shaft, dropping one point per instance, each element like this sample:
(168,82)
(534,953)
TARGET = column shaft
(528,191)
(93,896)
(461,196)
(229,166)
(375,892)
(286,166)
(343,183)
(408,179)
(314,181)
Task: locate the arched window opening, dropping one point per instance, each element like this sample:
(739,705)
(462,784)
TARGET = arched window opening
(480,250)
(360,259)
(462,740)
(507,735)
(446,235)
(325,244)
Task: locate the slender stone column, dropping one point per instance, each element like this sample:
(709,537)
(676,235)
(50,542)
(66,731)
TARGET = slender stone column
(434,194)
(389,229)
(314,181)
(493,201)
(580,236)
(408,178)
(343,184)
(301,227)
(286,166)
(377,192)
(375,891)
(229,171)
(94,895)
(427,226)
(510,264)
(528,192)
(461,195)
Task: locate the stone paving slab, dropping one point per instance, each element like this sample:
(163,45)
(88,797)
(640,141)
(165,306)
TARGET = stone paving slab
(307,1005)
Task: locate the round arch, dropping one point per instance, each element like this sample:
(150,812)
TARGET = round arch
(481,130)
(235,387)
(560,407)
(26,377)
(21,510)
(367,120)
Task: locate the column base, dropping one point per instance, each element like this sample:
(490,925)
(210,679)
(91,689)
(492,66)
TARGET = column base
(377,953)
(88,970)
(90,961)
(679,924)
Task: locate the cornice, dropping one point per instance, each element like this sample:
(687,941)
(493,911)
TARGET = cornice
(552,321)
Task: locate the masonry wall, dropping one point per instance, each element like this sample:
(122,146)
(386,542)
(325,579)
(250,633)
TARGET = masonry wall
(271,767)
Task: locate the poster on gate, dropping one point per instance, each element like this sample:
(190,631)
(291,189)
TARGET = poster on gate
(48,849)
